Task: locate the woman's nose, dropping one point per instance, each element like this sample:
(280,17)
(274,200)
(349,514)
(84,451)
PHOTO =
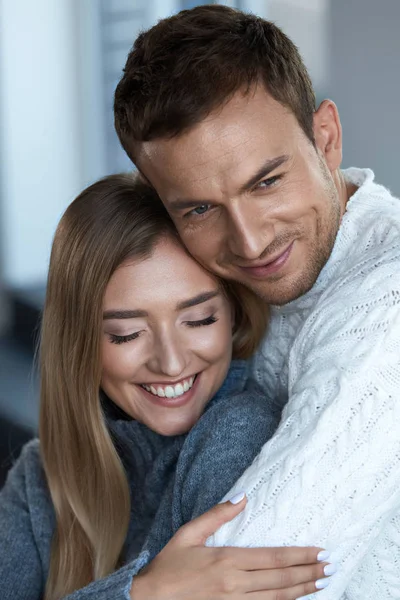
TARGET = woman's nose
(169,356)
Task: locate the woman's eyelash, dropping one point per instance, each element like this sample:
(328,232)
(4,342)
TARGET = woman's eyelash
(208,321)
(121,339)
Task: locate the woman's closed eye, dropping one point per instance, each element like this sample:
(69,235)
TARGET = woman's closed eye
(122,339)
(202,322)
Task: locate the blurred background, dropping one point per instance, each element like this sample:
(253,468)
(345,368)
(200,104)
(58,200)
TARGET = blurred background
(60,61)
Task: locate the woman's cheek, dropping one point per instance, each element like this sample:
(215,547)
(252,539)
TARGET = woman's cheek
(217,341)
(122,360)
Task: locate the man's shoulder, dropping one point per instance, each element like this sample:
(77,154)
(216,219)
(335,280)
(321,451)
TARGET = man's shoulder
(373,207)
(368,250)
(360,296)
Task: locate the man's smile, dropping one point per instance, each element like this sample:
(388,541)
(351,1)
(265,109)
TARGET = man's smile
(268,267)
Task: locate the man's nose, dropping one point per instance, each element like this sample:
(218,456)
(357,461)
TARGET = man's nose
(249,234)
(169,355)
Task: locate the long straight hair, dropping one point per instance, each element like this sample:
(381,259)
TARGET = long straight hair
(114,219)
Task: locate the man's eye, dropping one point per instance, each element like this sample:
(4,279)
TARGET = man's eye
(267,183)
(200,210)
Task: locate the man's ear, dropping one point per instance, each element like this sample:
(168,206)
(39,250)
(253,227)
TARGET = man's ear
(328,134)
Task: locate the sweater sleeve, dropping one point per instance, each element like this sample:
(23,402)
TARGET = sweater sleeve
(21,573)
(116,586)
(330,476)
(218,449)
(26,528)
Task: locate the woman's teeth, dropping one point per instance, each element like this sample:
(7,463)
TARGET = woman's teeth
(170,391)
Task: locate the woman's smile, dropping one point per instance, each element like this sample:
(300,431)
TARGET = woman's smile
(173,396)
(169,390)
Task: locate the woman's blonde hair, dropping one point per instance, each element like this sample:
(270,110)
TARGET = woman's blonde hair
(114,219)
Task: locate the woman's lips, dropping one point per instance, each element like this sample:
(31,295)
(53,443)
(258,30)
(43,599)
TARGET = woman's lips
(185,398)
(271,267)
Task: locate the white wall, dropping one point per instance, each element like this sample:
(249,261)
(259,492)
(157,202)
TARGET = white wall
(258,7)
(90,96)
(159,9)
(365,83)
(53,119)
(40,137)
(306,23)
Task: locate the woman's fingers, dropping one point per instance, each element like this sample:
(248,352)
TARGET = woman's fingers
(293,593)
(254,559)
(276,579)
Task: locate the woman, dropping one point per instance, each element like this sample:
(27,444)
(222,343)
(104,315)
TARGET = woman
(135,439)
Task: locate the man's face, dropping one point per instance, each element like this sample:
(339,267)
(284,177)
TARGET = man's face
(253,200)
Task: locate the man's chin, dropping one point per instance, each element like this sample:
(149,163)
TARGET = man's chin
(279,293)
(278,290)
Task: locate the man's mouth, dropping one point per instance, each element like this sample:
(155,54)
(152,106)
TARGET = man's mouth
(270,266)
(170,390)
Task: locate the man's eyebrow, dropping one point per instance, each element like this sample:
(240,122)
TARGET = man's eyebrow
(203,297)
(269,166)
(123,314)
(183,203)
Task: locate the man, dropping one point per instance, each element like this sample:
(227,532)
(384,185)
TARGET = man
(217,111)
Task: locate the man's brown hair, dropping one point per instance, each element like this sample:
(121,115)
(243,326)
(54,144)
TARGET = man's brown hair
(192,63)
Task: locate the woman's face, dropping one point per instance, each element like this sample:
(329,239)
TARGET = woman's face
(167,339)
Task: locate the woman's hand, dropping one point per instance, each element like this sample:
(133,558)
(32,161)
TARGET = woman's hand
(186,568)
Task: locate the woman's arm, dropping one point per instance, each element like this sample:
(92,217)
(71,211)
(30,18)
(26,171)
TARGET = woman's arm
(26,528)
(21,571)
(219,448)
(185,568)
(27,524)
(215,453)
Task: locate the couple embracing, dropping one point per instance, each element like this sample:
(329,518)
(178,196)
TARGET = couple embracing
(220,347)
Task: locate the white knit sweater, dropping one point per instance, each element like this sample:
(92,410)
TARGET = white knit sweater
(330,476)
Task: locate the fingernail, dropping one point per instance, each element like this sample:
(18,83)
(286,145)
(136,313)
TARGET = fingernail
(330,569)
(323,555)
(237,498)
(320,584)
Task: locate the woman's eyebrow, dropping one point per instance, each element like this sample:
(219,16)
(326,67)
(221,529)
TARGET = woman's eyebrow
(133,314)
(124,314)
(199,299)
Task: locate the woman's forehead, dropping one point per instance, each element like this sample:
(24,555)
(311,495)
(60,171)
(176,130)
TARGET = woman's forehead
(169,275)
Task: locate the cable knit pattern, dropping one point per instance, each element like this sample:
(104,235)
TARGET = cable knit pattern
(330,476)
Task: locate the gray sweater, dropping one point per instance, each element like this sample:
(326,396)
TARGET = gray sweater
(172,480)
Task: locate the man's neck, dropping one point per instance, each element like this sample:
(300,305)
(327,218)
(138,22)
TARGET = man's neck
(346,189)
